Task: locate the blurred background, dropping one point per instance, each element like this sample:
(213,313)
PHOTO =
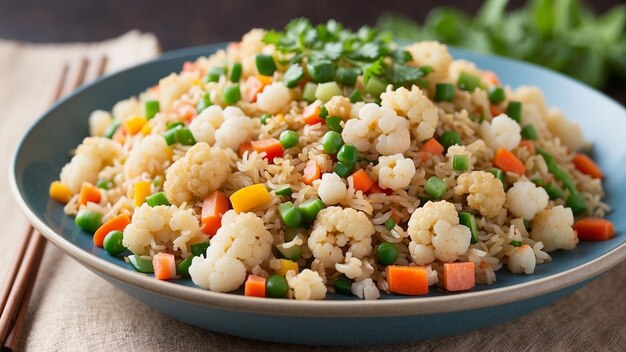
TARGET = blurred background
(581,38)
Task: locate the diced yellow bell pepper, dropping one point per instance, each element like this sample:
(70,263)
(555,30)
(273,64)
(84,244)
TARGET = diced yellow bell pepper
(60,192)
(286,265)
(266,80)
(141,191)
(134,124)
(250,197)
(146,129)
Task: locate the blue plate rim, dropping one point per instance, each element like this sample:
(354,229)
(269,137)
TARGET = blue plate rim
(325,308)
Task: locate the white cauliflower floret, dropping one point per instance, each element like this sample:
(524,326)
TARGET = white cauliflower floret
(125,109)
(332,189)
(167,226)
(416,106)
(99,121)
(204,125)
(339,106)
(91,156)
(171,88)
(274,98)
(203,169)
(525,199)
(553,227)
(522,260)
(433,54)
(365,289)
(236,129)
(151,155)
(306,285)
(486,193)
(354,268)
(530,96)
(377,129)
(502,132)
(436,234)
(394,171)
(336,229)
(568,131)
(241,243)
(460,150)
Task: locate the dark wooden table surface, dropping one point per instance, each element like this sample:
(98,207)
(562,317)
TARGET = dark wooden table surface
(185,23)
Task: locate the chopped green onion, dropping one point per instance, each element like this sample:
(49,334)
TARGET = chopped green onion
(172,125)
(321,71)
(348,155)
(184,136)
(375,86)
(343,285)
(468,220)
(310,208)
(290,214)
(292,252)
(386,253)
(111,129)
(113,242)
(347,76)
(235,72)
(170,135)
(308,92)
(157,199)
(293,75)
(88,220)
(450,138)
(265,64)
(283,190)
(232,94)
(204,102)
(426,70)
(332,142)
(199,248)
(182,268)
(496,95)
(103,184)
(468,81)
(151,107)
(436,187)
(557,171)
(343,170)
(289,138)
(539,182)
(553,190)
(390,223)
(528,132)
(516,243)
(444,92)
(355,96)
(276,287)
(514,111)
(264,118)
(334,123)
(576,201)
(214,74)
(140,264)
(325,91)
(460,162)
(499,174)
(323,112)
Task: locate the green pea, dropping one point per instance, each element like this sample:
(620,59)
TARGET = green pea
(390,224)
(103,184)
(348,155)
(182,268)
(444,92)
(343,170)
(265,118)
(289,138)
(496,95)
(515,243)
(529,132)
(88,220)
(310,208)
(265,64)
(514,111)
(276,287)
(334,123)
(113,242)
(468,81)
(450,138)
(343,285)
(290,214)
(199,248)
(386,253)
(332,142)
(232,94)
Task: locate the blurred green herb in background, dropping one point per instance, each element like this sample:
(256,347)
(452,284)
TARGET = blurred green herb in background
(564,35)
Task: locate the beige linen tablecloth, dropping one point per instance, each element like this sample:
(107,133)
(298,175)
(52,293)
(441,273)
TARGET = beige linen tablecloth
(73,309)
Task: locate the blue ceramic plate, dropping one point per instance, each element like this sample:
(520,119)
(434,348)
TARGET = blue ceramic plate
(336,320)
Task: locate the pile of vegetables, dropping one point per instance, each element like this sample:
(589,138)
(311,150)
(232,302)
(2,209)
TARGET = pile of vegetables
(563,35)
